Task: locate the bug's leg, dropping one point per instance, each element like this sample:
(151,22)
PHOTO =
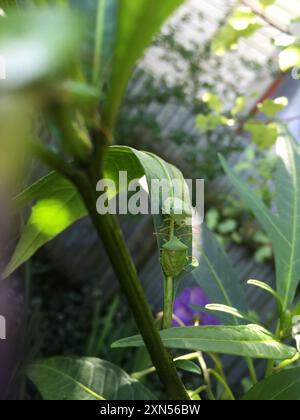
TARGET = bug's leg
(159,234)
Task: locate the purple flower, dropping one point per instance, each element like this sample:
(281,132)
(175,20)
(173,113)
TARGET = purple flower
(188,315)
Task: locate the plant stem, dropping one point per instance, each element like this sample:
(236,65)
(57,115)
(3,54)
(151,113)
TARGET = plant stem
(287,363)
(98,41)
(169,290)
(168,303)
(151,369)
(112,238)
(206,376)
(224,383)
(271,363)
(252,372)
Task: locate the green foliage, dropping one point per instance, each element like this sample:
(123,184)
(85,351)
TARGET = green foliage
(84,379)
(210,122)
(58,204)
(79,101)
(282,227)
(32,32)
(289,57)
(243,23)
(248,341)
(266,3)
(271,107)
(263,135)
(283,386)
(188,366)
(216,276)
(138,22)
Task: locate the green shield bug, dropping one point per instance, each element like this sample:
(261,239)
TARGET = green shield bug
(173,257)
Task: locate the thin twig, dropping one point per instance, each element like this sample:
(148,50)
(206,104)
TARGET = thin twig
(261,15)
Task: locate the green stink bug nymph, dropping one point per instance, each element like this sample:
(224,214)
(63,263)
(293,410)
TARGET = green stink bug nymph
(173,257)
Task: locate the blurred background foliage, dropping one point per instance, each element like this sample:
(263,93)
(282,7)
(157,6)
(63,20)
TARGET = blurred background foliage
(68,317)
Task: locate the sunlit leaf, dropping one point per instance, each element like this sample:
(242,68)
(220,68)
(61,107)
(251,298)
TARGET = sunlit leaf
(290,57)
(239,105)
(58,207)
(36,45)
(242,18)
(271,107)
(263,135)
(213,101)
(210,122)
(243,23)
(138,22)
(266,3)
(58,204)
(229,310)
(247,341)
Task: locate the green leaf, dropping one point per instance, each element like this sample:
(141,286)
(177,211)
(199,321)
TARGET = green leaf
(243,23)
(50,38)
(283,228)
(239,106)
(247,341)
(229,310)
(271,107)
(138,22)
(283,386)
(263,253)
(68,378)
(227,226)
(210,122)
(268,289)
(263,135)
(216,276)
(289,57)
(58,204)
(242,18)
(296,331)
(188,366)
(212,217)
(213,101)
(266,3)
(287,199)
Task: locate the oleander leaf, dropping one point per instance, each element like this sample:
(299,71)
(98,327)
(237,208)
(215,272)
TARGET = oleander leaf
(244,340)
(71,378)
(58,204)
(282,227)
(283,386)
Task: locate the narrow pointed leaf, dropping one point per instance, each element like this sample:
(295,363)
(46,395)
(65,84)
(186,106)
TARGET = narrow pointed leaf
(248,341)
(229,310)
(283,228)
(288,208)
(58,206)
(216,276)
(137,23)
(268,289)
